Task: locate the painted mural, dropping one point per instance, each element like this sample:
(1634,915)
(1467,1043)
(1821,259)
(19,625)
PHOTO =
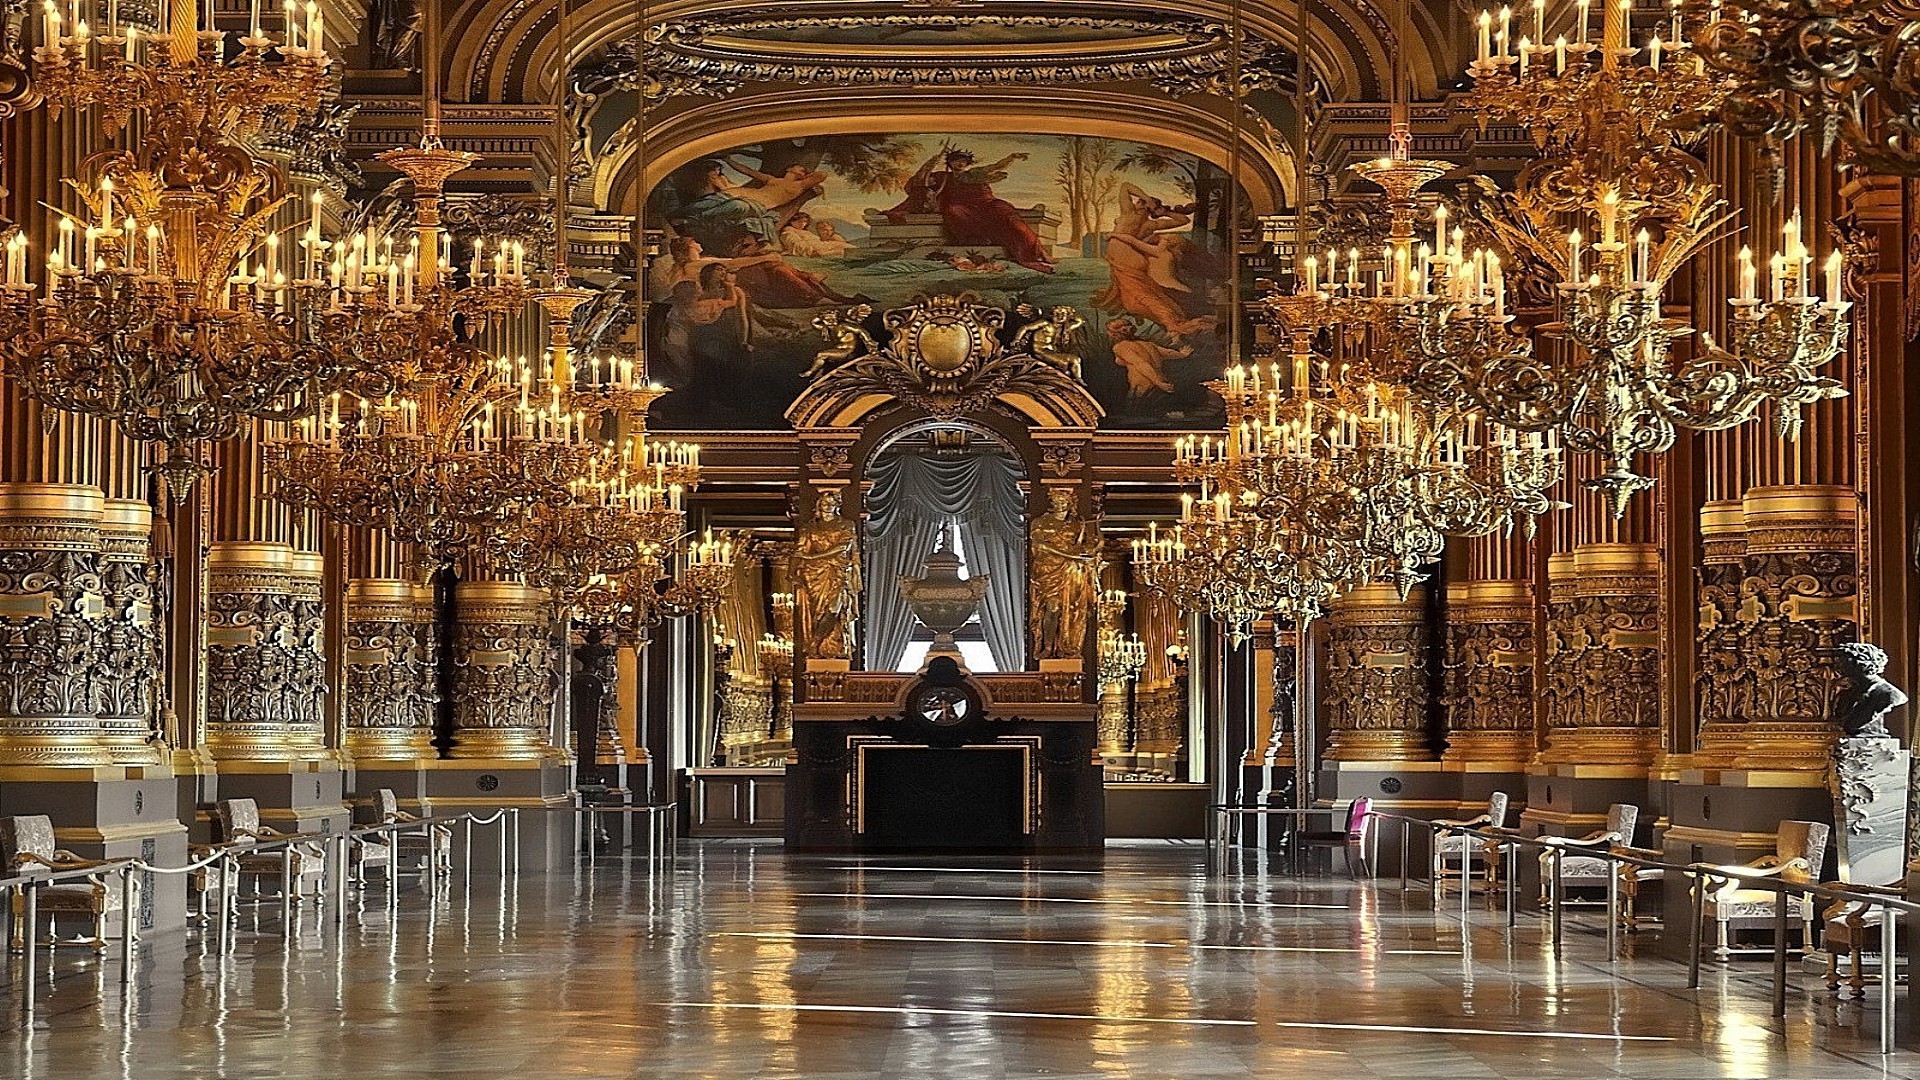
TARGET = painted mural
(767,238)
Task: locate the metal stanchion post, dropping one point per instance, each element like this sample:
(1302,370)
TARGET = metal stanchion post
(1613,911)
(1465,886)
(129,908)
(287,911)
(1889,965)
(30,945)
(502,846)
(1511,852)
(466,848)
(1780,953)
(344,861)
(1404,832)
(513,815)
(223,896)
(1696,930)
(593,836)
(1557,856)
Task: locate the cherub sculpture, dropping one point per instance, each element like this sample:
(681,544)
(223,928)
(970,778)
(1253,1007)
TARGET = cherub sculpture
(1051,337)
(1861,709)
(846,336)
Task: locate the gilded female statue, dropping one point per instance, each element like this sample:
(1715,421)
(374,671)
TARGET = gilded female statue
(1063,571)
(826,573)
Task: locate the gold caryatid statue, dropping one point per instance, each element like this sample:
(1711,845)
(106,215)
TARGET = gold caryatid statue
(826,576)
(1064,573)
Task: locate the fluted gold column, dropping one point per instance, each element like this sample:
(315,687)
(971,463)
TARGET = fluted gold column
(503,662)
(52,625)
(1377,683)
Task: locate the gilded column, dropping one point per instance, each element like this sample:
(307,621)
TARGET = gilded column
(503,671)
(52,625)
(251,645)
(129,656)
(1489,686)
(1613,637)
(1796,603)
(391,652)
(1723,691)
(1377,682)
(1561,649)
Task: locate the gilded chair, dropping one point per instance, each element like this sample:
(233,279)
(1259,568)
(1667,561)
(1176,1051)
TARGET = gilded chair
(413,846)
(1851,928)
(1633,884)
(27,842)
(1455,853)
(1799,848)
(239,821)
(1352,840)
(1579,871)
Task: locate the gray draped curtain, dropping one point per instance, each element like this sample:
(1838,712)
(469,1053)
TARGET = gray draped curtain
(913,498)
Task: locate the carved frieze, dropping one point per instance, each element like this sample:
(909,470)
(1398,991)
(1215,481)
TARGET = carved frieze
(266,673)
(1605,657)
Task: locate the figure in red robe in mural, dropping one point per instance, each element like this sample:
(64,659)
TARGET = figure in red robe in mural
(962,194)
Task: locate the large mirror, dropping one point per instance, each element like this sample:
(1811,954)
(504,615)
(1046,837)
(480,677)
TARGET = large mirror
(951,487)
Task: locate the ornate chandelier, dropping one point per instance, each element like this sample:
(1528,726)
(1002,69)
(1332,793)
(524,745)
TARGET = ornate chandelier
(1613,210)
(176,310)
(1845,68)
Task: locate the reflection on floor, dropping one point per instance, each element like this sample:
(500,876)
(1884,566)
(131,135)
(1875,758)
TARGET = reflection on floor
(746,963)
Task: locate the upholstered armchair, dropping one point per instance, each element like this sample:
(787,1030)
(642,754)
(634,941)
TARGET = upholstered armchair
(1454,853)
(239,821)
(1799,849)
(1851,928)
(1578,871)
(1633,883)
(27,842)
(417,847)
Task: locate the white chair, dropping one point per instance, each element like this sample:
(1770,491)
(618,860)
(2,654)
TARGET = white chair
(1579,871)
(1799,849)
(27,842)
(239,821)
(1455,853)
(413,848)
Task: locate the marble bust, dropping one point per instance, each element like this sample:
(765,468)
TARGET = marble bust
(1861,709)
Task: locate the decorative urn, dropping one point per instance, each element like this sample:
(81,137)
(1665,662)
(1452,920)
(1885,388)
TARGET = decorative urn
(941,598)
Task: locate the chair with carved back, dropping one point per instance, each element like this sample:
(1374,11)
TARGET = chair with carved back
(412,848)
(1851,929)
(27,843)
(1799,849)
(1455,853)
(1578,871)
(239,824)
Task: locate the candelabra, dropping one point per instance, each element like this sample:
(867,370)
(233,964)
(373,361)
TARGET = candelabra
(692,578)
(1612,132)
(171,308)
(1844,68)
(1122,657)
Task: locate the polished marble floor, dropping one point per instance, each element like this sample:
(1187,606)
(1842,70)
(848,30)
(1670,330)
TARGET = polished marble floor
(743,962)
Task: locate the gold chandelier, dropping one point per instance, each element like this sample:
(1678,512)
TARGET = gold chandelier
(1845,68)
(174,308)
(1614,209)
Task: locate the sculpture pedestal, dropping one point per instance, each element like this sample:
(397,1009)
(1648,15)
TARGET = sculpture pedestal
(1869,786)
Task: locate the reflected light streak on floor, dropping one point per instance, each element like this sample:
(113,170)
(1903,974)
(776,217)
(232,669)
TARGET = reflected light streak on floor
(742,963)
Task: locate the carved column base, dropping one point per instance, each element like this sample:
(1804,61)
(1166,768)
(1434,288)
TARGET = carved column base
(129,658)
(1766,745)
(1489,672)
(504,674)
(1605,650)
(251,652)
(390,670)
(52,625)
(1377,686)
